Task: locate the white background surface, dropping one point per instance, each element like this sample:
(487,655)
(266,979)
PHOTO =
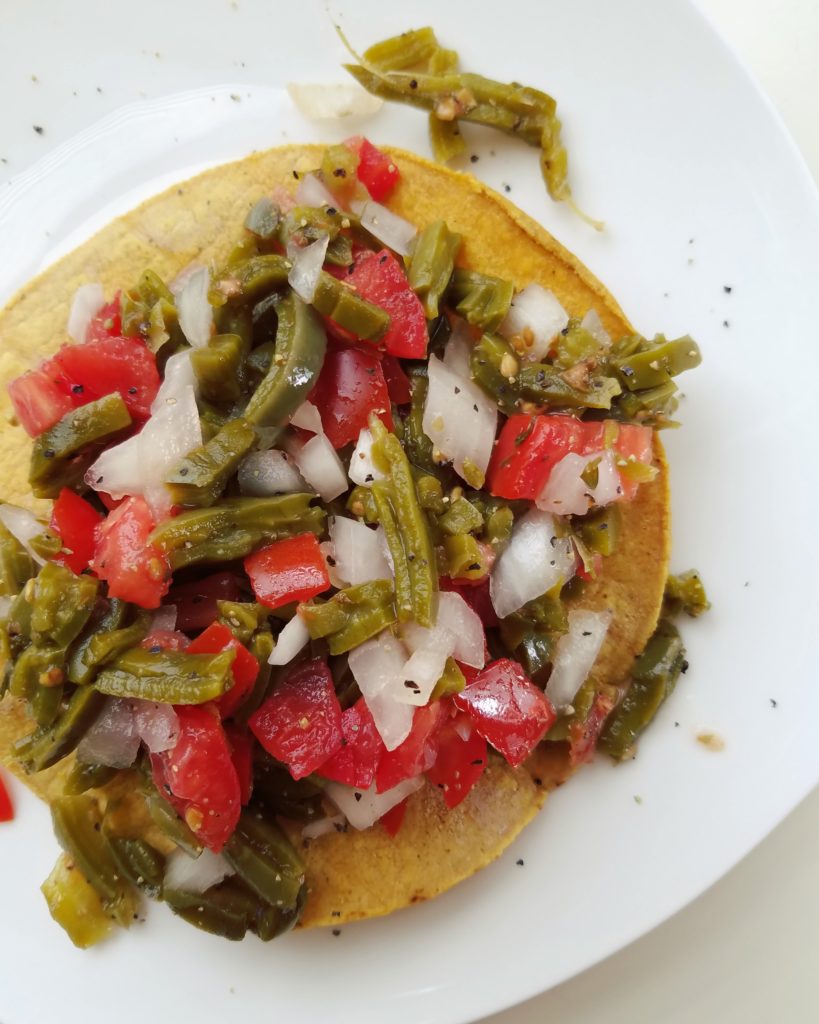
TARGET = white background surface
(746,950)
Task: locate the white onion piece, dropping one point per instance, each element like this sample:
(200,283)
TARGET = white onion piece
(5,605)
(575,654)
(362,469)
(592,323)
(395,232)
(320,466)
(289,642)
(421,672)
(534,561)
(321,827)
(24,526)
(164,618)
(306,269)
(358,551)
(156,724)
(378,668)
(141,464)
(539,310)
(307,417)
(313,192)
(455,616)
(459,418)
(113,739)
(262,474)
(363,807)
(87,302)
(195,311)
(320,102)
(566,492)
(196,874)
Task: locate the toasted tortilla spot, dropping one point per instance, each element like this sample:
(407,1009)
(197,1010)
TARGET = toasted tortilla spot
(355,875)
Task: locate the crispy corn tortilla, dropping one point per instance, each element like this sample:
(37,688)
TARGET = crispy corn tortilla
(355,875)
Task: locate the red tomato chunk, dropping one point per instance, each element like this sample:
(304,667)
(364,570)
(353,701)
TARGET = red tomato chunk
(74,521)
(351,386)
(460,762)
(215,639)
(133,569)
(196,601)
(6,808)
(288,570)
(376,170)
(418,751)
(362,748)
(379,278)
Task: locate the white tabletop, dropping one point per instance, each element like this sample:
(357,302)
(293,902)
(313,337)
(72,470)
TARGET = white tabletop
(744,952)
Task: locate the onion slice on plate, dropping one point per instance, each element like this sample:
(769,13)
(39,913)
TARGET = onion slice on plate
(196,874)
(332,102)
(395,232)
(195,311)
(306,269)
(575,654)
(87,302)
(363,807)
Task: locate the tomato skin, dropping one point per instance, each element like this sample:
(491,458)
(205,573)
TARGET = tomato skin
(300,722)
(241,744)
(198,776)
(6,806)
(507,709)
(351,386)
(398,383)
(376,170)
(134,570)
(165,640)
(362,748)
(38,401)
(460,762)
(109,364)
(529,447)
(418,751)
(379,278)
(287,570)
(196,602)
(394,818)
(217,638)
(74,520)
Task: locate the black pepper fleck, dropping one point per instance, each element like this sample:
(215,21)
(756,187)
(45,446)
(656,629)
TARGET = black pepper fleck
(132,390)
(725,323)
(727,289)
(38,128)
(774,703)
(474,158)
(357,797)
(684,667)
(413,84)
(507,188)
(77,389)
(519,862)
(336,932)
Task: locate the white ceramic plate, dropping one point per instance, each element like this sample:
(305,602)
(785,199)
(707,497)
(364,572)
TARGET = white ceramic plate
(672,144)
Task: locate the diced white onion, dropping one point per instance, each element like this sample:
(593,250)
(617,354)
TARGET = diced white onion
(320,466)
(422,671)
(378,668)
(24,526)
(290,641)
(141,464)
(592,323)
(358,551)
(455,615)
(195,311)
(87,302)
(395,232)
(363,470)
(363,807)
(313,192)
(307,417)
(320,102)
(535,560)
(156,724)
(567,493)
(164,618)
(196,874)
(459,418)
(262,474)
(537,310)
(333,823)
(113,739)
(306,269)
(575,654)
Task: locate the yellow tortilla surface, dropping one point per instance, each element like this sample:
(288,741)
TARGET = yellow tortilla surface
(358,874)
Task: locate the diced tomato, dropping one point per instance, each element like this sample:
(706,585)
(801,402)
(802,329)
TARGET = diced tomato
(165,640)
(135,570)
(199,778)
(300,722)
(379,278)
(476,595)
(583,736)
(288,570)
(39,402)
(215,639)
(6,808)
(355,762)
(196,602)
(351,386)
(74,520)
(529,447)
(109,502)
(394,818)
(460,762)
(398,383)
(376,170)
(507,709)
(108,321)
(105,365)
(597,565)
(241,743)
(418,751)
